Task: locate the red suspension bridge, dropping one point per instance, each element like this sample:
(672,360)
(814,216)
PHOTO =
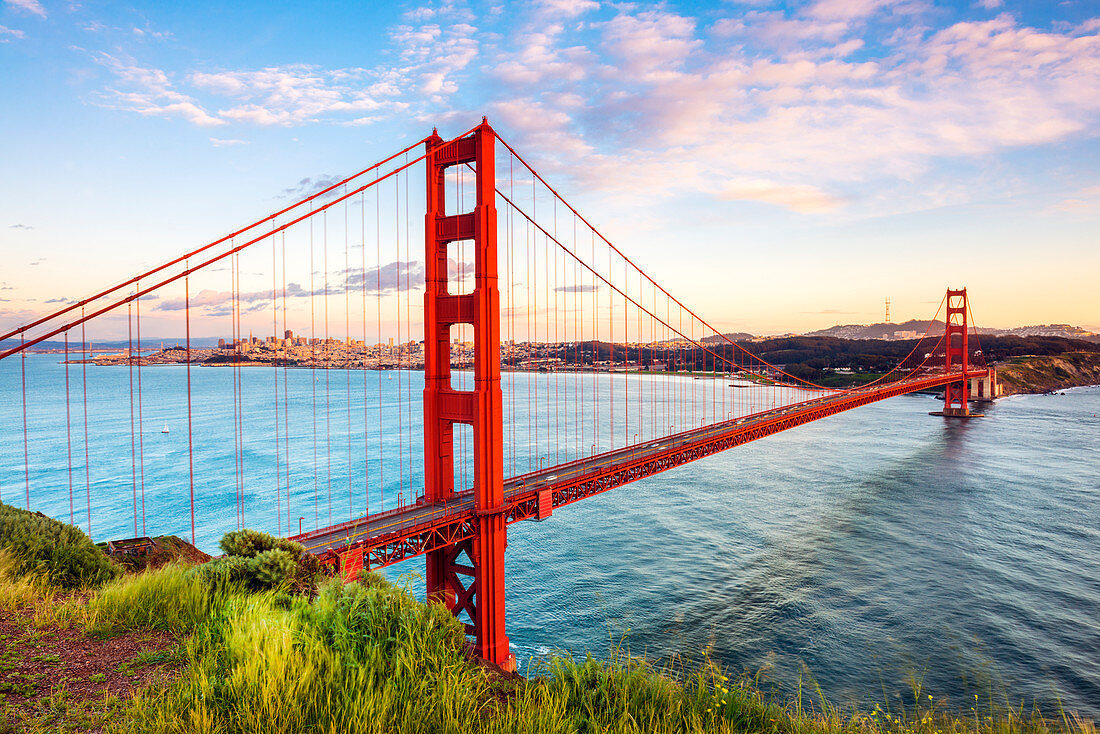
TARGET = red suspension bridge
(535,365)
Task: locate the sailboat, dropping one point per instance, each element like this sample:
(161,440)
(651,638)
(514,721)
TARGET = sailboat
(165,429)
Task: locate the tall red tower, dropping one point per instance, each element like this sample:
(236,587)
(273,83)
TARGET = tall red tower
(474,584)
(955,342)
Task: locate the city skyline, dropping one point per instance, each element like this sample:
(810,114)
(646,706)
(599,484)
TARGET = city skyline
(835,152)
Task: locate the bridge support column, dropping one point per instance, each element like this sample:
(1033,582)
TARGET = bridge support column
(482,599)
(957,351)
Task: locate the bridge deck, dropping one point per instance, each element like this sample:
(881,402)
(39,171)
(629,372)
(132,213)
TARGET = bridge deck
(395,535)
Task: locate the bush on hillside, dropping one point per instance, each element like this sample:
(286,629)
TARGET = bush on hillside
(62,554)
(248,543)
(259,561)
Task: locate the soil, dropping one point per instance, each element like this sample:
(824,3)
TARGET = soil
(169,549)
(38,664)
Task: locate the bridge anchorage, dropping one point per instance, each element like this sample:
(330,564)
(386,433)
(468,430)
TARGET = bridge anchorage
(583,374)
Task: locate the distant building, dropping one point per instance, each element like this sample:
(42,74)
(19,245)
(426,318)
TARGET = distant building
(288,334)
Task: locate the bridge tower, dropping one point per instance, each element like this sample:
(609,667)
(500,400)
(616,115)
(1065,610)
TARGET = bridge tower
(955,343)
(467,576)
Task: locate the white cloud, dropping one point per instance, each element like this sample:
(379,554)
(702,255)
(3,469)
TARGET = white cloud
(223,143)
(6,34)
(990,4)
(781,104)
(566,8)
(847,10)
(433,57)
(149,91)
(29,6)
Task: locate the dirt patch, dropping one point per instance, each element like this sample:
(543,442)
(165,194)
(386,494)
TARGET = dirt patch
(37,665)
(169,549)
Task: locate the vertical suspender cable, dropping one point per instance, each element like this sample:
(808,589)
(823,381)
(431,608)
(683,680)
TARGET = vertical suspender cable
(69,432)
(84,396)
(286,398)
(190,440)
(313,374)
(141,422)
(133,438)
(327,351)
(26,443)
(363,293)
(275,387)
(347,349)
(381,349)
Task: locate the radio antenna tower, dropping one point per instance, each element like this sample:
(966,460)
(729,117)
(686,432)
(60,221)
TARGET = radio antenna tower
(887,309)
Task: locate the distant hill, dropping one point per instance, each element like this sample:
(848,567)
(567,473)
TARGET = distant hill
(880,331)
(916,329)
(204,342)
(738,336)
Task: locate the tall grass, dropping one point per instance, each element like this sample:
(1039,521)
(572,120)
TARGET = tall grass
(171,598)
(370,658)
(17,589)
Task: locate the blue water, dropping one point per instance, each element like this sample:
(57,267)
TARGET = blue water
(866,550)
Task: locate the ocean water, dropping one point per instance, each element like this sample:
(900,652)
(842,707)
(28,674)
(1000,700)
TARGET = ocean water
(866,551)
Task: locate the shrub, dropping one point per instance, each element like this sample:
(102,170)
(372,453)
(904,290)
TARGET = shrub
(273,568)
(61,554)
(261,562)
(248,543)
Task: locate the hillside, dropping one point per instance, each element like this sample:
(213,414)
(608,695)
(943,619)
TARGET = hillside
(259,642)
(1038,374)
(889,331)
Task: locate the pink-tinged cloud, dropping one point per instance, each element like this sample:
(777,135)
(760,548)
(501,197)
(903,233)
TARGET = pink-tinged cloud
(799,198)
(30,6)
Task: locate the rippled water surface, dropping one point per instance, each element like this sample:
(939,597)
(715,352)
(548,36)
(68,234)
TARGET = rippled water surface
(869,549)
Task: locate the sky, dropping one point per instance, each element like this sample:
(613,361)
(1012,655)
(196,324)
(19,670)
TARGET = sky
(782,166)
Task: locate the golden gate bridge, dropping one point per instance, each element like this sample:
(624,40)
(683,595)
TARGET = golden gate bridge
(554,368)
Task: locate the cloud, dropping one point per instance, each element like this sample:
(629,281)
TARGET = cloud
(223,143)
(846,10)
(310,185)
(800,198)
(431,56)
(6,34)
(20,226)
(222,302)
(29,6)
(990,4)
(150,91)
(800,103)
(382,280)
(387,278)
(590,288)
(559,9)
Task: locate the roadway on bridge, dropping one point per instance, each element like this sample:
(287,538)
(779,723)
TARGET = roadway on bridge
(340,536)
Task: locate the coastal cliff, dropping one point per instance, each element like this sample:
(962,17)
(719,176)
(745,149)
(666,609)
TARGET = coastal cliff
(1039,374)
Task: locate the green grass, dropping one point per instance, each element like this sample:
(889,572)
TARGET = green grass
(368,657)
(62,554)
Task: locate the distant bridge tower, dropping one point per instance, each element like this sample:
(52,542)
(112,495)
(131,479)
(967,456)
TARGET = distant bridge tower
(474,584)
(955,344)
